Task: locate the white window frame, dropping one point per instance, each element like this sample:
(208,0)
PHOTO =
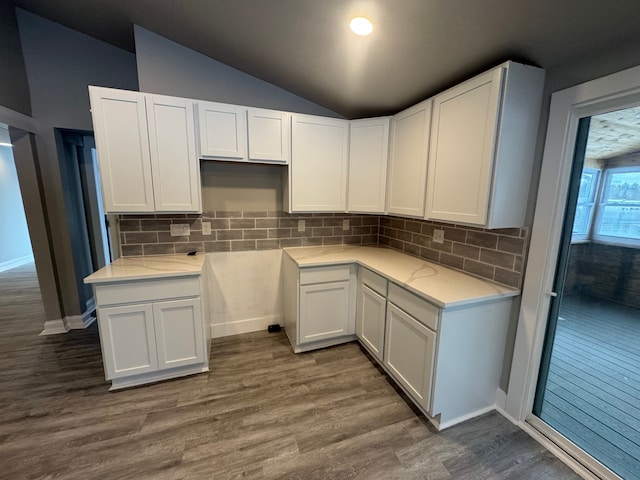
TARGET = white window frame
(602,204)
(591,202)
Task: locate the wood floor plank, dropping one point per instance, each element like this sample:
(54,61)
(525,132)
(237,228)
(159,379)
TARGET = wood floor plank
(262,412)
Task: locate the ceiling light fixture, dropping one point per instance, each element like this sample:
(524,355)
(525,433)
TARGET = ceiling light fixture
(361,26)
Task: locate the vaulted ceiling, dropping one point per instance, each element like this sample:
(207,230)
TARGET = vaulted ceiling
(417,48)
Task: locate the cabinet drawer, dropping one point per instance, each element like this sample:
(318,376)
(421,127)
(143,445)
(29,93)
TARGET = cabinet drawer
(146,290)
(374,281)
(334,273)
(415,306)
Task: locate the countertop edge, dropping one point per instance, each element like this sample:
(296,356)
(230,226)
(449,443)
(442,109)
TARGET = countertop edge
(91,281)
(508,293)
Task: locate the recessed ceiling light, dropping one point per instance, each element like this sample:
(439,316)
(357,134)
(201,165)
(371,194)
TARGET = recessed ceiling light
(361,26)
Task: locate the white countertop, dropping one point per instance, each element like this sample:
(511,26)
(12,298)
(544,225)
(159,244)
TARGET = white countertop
(440,285)
(142,268)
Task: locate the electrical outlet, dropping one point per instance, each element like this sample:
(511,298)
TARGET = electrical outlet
(345,224)
(206,228)
(438,236)
(180,229)
(301,225)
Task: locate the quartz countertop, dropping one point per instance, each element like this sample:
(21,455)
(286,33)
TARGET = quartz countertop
(143,268)
(440,285)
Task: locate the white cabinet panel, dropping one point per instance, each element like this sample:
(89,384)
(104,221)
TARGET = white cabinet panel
(368,154)
(222,131)
(409,354)
(318,170)
(324,311)
(178,333)
(371,320)
(120,127)
(408,160)
(127,336)
(462,148)
(269,135)
(482,146)
(175,165)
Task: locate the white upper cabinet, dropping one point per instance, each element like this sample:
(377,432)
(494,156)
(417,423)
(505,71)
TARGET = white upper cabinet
(408,160)
(318,170)
(146,152)
(175,165)
(120,128)
(482,145)
(368,154)
(222,131)
(269,135)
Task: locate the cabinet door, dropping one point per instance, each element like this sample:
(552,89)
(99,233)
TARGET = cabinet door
(318,171)
(269,133)
(127,336)
(408,160)
(371,320)
(463,138)
(179,337)
(120,128)
(222,131)
(409,354)
(324,311)
(368,154)
(175,164)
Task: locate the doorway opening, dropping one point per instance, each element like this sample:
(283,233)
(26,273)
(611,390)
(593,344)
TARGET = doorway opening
(88,225)
(21,307)
(589,382)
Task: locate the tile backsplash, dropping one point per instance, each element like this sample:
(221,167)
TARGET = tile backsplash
(242,231)
(496,255)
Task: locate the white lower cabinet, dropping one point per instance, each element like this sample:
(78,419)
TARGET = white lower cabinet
(324,309)
(319,305)
(409,352)
(153,336)
(370,322)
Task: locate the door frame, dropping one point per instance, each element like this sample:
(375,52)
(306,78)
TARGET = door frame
(598,96)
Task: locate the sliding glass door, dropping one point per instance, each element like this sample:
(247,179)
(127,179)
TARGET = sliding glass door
(589,382)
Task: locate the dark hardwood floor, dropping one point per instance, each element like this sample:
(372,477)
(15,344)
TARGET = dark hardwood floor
(261,413)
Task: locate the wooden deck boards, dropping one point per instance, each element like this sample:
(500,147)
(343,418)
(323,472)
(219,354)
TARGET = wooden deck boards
(593,388)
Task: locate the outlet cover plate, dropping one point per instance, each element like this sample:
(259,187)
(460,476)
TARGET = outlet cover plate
(180,229)
(301,225)
(206,228)
(345,224)
(438,236)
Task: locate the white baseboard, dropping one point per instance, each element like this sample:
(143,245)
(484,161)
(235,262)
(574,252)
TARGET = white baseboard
(54,327)
(16,262)
(79,322)
(71,322)
(244,326)
(463,418)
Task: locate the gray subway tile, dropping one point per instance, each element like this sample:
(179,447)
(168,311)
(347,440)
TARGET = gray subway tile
(499,259)
(216,246)
(131,250)
(279,233)
(140,237)
(229,234)
(267,244)
(511,244)
(467,251)
(228,214)
(290,242)
(127,225)
(429,254)
(189,247)
(243,245)
(452,260)
(255,234)
(455,234)
(166,237)
(507,277)
(255,214)
(482,239)
(242,223)
(159,249)
(266,223)
(480,269)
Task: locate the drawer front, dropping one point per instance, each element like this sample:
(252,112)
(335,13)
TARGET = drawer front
(374,281)
(334,273)
(146,290)
(415,306)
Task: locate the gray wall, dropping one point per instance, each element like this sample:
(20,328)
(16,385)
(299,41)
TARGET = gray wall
(60,64)
(14,89)
(167,68)
(14,240)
